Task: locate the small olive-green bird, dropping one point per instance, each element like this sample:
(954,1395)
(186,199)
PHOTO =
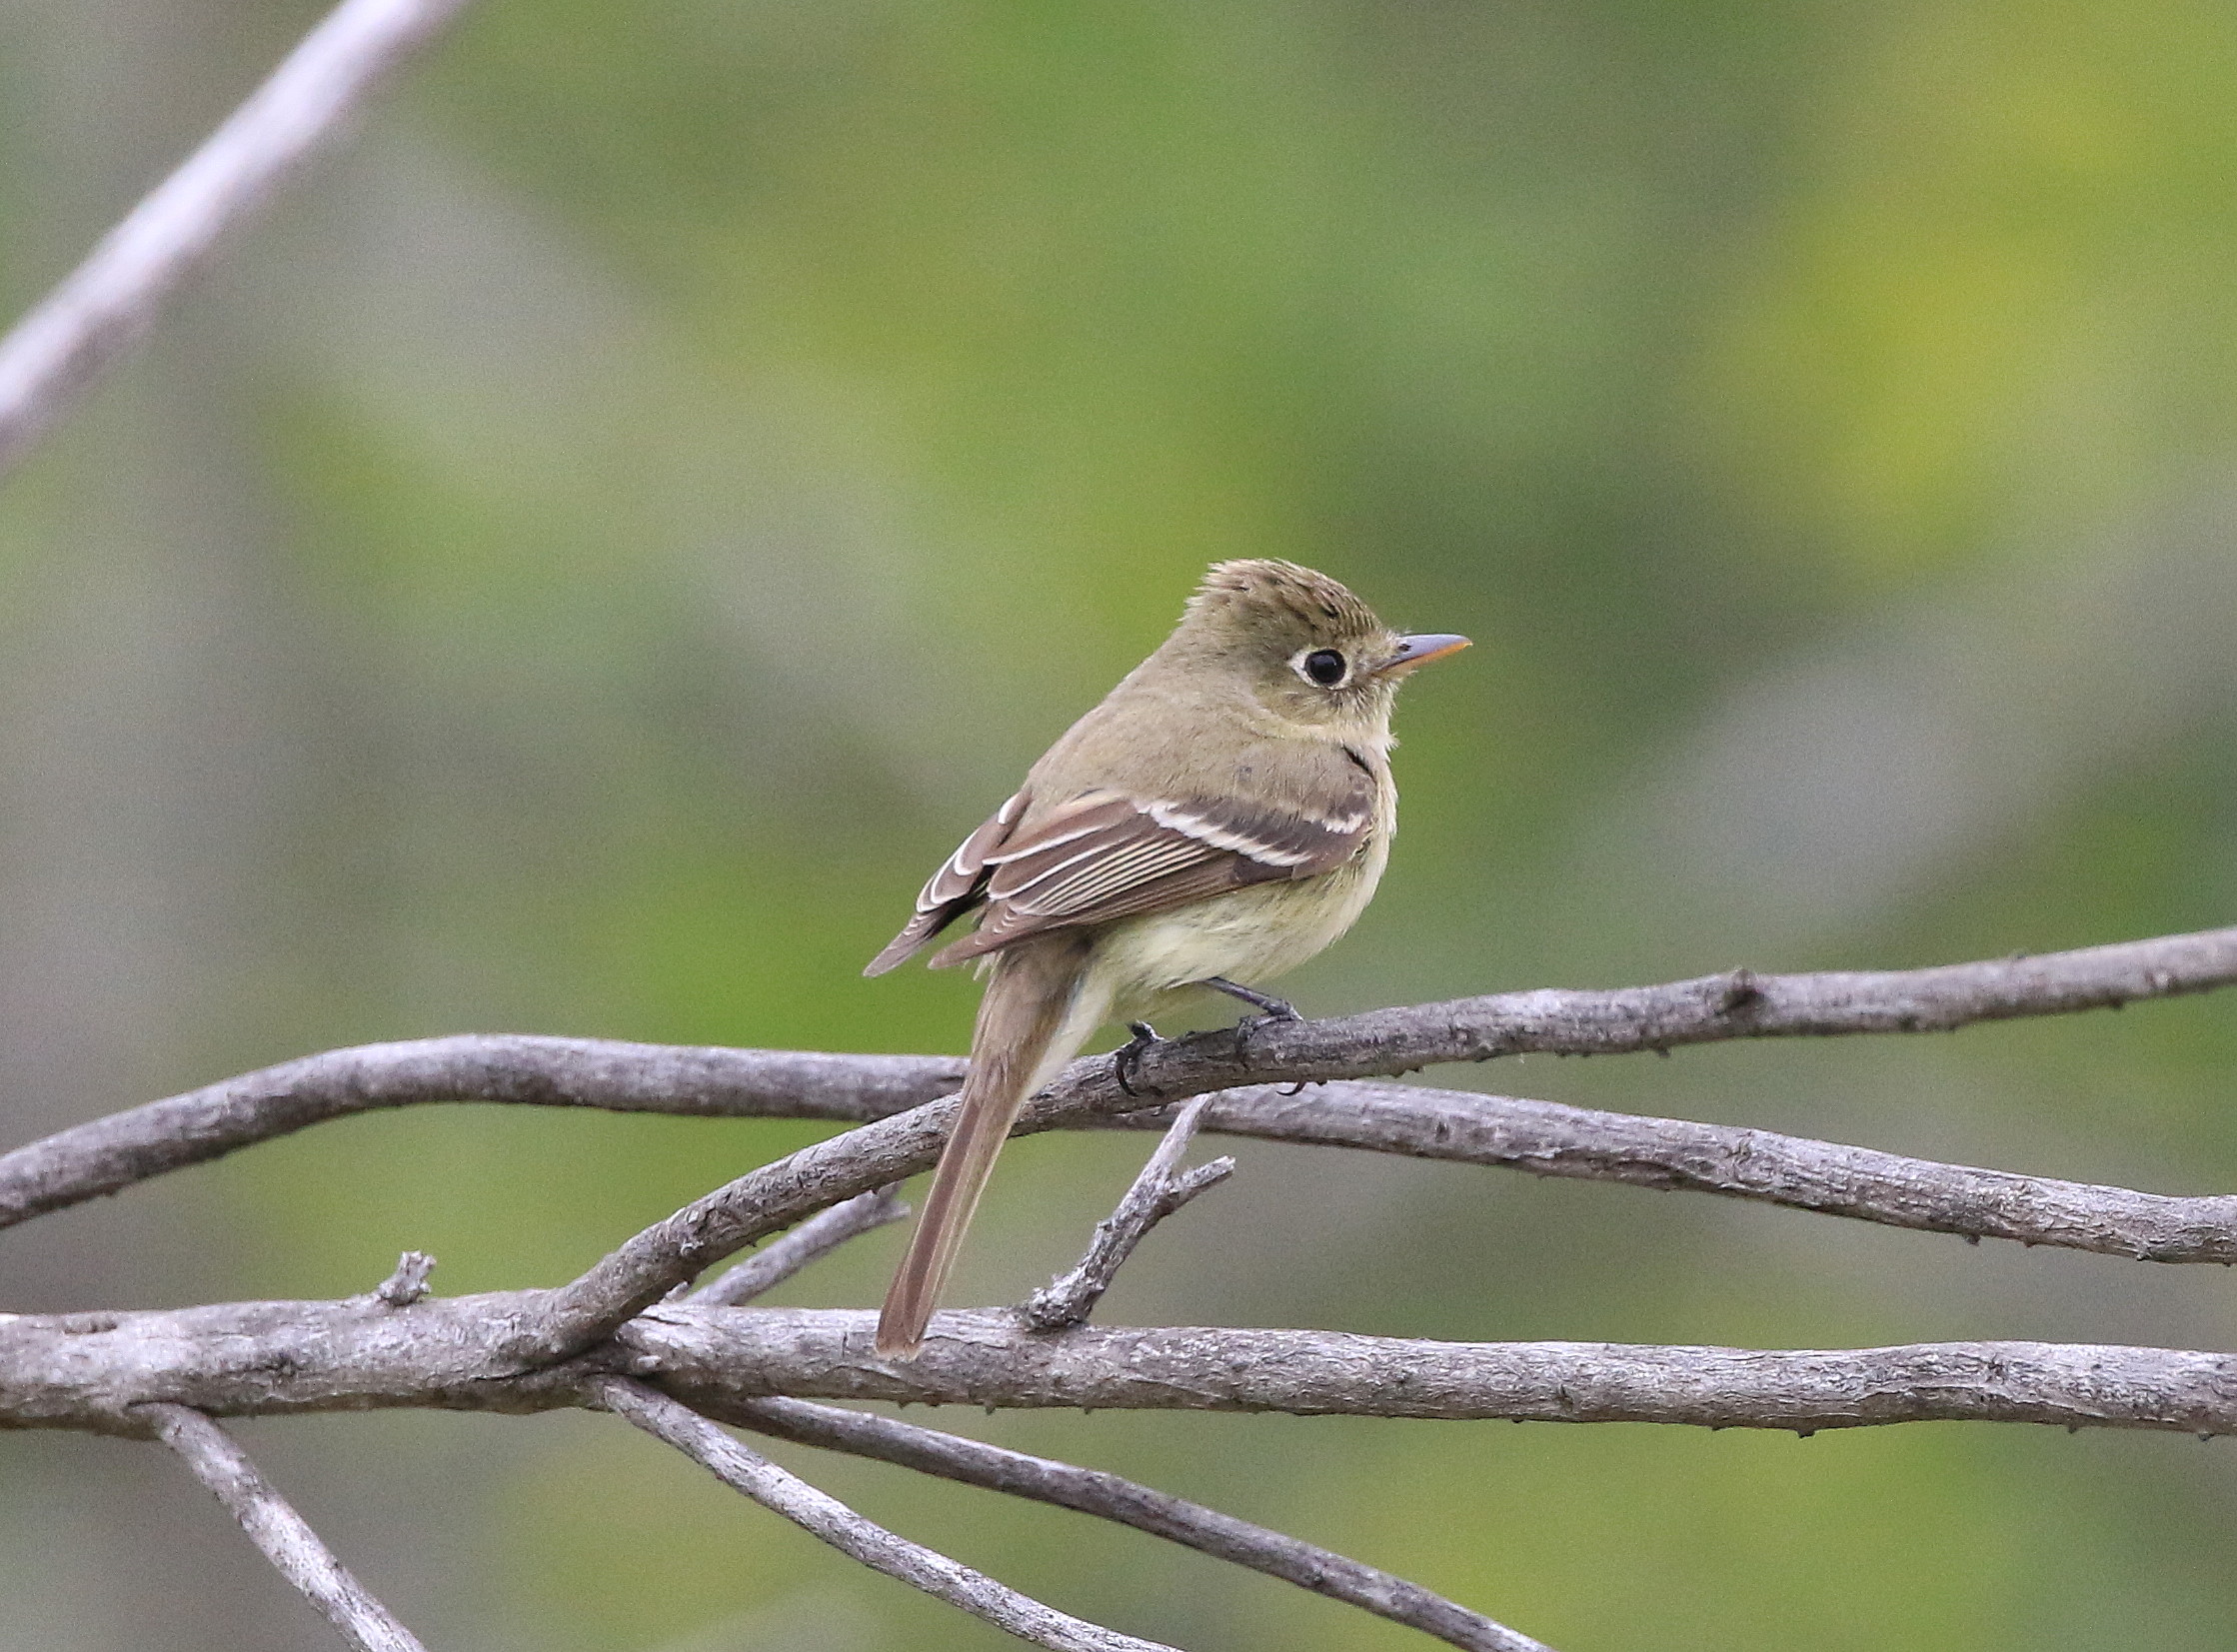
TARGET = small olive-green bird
(1221,818)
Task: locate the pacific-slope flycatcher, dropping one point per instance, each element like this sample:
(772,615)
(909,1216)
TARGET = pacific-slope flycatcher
(1222,817)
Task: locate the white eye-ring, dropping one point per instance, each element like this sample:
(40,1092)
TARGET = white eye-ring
(1322,667)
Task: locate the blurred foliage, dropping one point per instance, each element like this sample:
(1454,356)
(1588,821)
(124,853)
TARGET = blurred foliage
(581,565)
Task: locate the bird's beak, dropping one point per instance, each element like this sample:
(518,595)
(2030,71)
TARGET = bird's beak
(1421,649)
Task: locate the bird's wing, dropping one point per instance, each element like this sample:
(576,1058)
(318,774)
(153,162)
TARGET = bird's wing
(1107,855)
(958,885)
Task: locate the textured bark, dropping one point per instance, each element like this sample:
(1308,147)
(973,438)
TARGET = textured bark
(113,1152)
(987,1359)
(597,1339)
(1550,1139)
(464,1354)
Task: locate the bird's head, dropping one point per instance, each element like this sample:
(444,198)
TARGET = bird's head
(1306,647)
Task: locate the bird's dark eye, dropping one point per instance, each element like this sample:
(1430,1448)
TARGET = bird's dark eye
(1325,666)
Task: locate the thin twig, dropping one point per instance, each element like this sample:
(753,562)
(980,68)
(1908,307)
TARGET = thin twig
(274,1526)
(854,1536)
(57,351)
(1108,1497)
(789,1252)
(108,1154)
(1156,1193)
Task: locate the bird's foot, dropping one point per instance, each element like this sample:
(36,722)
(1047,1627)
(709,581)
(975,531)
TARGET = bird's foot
(1127,1057)
(1270,1007)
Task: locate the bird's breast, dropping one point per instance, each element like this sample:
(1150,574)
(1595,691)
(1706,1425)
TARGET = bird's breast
(1250,934)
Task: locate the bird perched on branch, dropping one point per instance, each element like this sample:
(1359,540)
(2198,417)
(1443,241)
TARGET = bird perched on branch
(1221,818)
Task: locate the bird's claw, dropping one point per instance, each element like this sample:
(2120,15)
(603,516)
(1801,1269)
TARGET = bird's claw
(1249,1025)
(1126,1059)
(1271,1012)
(1270,1009)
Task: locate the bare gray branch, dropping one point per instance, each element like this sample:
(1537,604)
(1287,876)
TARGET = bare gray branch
(854,1536)
(274,1526)
(535,1350)
(1108,1497)
(108,304)
(1708,1009)
(467,1353)
(789,1252)
(1156,1193)
(1549,1139)
(110,1153)
(1754,1164)
(987,1358)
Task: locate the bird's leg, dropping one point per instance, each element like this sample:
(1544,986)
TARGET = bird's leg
(1270,1007)
(1127,1057)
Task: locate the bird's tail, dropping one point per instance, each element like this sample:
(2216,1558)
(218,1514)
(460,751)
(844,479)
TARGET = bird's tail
(1033,1019)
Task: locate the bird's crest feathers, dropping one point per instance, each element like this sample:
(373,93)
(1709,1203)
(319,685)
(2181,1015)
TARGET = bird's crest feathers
(1261,590)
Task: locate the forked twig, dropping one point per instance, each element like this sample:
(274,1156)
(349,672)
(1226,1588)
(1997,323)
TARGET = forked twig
(272,1527)
(1155,1194)
(108,304)
(787,1253)
(1109,1497)
(858,1538)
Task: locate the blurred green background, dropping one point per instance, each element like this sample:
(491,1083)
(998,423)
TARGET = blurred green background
(578,566)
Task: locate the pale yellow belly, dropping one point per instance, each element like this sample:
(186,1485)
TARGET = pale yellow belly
(1249,935)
